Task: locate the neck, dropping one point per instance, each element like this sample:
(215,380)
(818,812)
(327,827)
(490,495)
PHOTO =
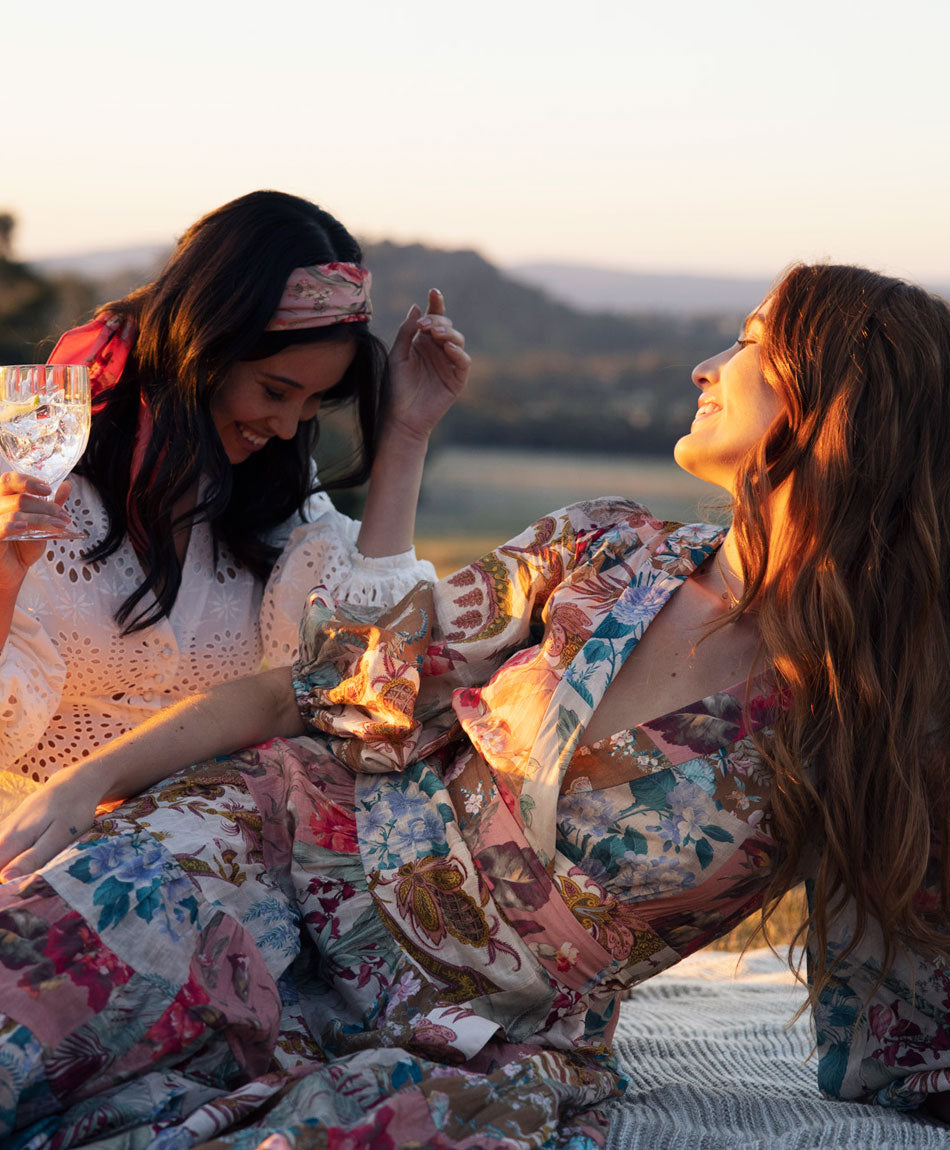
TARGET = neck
(730,562)
(778,558)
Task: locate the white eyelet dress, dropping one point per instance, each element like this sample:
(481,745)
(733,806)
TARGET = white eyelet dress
(69,680)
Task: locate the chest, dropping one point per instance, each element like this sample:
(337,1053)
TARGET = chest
(682,655)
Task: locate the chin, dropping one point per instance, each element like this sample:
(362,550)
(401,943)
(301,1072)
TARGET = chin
(697,460)
(682,454)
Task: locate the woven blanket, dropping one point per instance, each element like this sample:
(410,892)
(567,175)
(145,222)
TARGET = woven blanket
(712,1064)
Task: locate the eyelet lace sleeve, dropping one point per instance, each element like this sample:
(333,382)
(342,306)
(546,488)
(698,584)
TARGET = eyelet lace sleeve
(324,552)
(31,678)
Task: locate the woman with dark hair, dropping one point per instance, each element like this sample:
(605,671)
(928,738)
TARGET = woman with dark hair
(465,826)
(207,524)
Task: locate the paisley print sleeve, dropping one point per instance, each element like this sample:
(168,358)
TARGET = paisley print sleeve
(384,678)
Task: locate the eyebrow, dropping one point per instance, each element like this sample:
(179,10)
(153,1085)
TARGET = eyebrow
(283,379)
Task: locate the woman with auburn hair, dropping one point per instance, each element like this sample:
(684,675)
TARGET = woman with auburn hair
(207,524)
(465,826)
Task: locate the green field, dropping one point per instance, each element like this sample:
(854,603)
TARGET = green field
(474,498)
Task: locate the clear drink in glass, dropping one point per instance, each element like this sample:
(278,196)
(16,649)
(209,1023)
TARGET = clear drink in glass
(45,412)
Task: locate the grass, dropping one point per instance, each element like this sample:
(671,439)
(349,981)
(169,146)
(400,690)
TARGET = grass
(782,926)
(449,553)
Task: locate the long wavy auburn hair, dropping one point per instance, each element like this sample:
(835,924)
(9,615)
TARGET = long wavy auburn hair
(854,608)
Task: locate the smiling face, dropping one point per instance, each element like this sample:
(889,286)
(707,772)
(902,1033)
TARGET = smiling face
(262,398)
(736,408)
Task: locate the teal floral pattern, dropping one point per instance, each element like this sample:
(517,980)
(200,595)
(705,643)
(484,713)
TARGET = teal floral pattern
(413,925)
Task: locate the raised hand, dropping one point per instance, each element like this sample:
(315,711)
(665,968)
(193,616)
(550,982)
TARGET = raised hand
(429,368)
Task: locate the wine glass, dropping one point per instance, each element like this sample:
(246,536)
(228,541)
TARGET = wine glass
(45,411)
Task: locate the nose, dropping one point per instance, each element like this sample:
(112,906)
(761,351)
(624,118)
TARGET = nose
(284,425)
(705,374)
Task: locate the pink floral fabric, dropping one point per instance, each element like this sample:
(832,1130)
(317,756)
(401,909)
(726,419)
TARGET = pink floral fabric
(414,925)
(324,294)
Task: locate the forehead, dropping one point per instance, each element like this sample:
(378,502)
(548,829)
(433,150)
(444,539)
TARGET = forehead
(759,315)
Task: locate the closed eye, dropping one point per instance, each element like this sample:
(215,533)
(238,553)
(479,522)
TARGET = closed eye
(271,393)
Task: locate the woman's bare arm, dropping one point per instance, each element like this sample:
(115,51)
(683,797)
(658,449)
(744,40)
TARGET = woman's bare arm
(225,718)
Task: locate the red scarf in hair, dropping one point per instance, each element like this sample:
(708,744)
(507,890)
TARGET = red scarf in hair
(103,345)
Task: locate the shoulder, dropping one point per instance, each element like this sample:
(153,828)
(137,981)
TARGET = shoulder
(319,520)
(623,526)
(610,509)
(612,514)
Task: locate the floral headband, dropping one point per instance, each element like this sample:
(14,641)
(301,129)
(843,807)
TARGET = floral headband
(323,294)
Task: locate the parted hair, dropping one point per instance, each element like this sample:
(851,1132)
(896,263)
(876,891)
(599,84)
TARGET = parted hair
(854,609)
(208,310)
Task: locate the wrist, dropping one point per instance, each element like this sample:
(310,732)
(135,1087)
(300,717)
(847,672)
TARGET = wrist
(85,782)
(10,584)
(397,439)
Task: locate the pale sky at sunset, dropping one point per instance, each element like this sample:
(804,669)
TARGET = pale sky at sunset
(708,137)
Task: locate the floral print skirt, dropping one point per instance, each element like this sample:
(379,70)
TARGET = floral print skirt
(206,967)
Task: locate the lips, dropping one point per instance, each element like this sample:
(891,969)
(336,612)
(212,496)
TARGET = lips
(707,406)
(251,440)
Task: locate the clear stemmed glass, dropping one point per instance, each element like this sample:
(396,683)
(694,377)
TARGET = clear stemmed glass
(44,425)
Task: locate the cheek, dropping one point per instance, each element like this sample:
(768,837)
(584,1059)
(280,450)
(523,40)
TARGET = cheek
(233,401)
(774,407)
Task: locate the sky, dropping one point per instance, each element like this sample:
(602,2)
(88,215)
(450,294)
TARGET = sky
(718,138)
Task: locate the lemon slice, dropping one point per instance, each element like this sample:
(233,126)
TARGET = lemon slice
(10,411)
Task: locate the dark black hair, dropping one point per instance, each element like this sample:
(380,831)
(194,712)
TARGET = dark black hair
(207,311)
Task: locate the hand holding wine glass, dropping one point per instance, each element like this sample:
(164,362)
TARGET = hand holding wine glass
(44,426)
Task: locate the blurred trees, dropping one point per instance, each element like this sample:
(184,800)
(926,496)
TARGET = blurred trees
(35,309)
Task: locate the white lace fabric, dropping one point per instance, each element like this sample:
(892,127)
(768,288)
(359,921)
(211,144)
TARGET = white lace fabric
(70,681)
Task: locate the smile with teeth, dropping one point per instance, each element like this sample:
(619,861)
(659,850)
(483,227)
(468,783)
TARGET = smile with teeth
(253,440)
(707,406)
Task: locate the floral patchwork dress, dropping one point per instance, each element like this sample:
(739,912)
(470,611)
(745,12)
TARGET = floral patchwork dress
(412,927)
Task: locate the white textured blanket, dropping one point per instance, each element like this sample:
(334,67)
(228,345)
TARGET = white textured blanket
(712,1065)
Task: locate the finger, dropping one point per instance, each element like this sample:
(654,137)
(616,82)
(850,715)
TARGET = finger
(63,492)
(461,361)
(407,329)
(32,513)
(55,837)
(436,303)
(17,842)
(15,483)
(26,863)
(33,504)
(442,330)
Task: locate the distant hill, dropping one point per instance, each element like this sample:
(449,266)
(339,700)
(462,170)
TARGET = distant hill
(627,293)
(583,287)
(499,313)
(100,264)
(113,273)
(609,290)
(546,374)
